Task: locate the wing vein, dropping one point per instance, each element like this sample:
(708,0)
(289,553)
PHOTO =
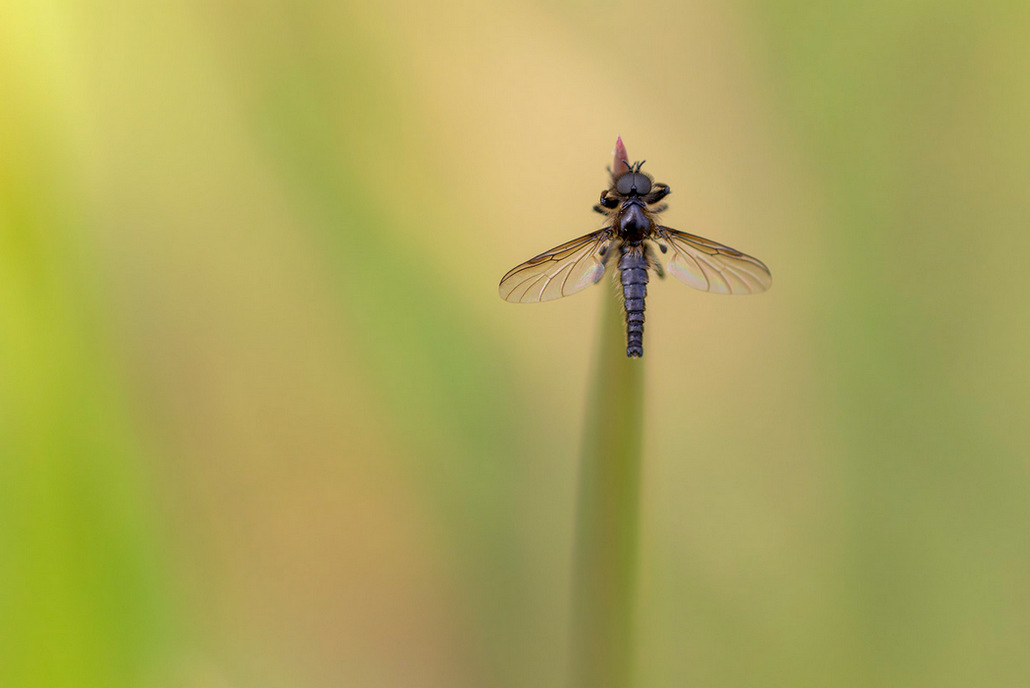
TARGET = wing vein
(562,271)
(716,268)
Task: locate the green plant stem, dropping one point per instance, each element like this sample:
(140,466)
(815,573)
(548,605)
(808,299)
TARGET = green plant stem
(604,568)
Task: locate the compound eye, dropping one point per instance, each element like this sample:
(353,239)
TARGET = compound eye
(625,184)
(633,182)
(643,184)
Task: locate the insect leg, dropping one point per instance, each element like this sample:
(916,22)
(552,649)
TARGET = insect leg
(653,262)
(658,192)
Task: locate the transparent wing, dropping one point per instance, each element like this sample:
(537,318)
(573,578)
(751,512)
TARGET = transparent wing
(562,271)
(710,266)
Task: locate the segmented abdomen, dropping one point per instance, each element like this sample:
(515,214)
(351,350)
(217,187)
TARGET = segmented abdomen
(633,269)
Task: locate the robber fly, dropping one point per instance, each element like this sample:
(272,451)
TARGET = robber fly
(635,242)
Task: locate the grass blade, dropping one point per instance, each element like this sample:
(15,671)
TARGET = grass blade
(604,569)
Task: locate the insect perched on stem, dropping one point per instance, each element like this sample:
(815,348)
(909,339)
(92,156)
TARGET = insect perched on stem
(635,242)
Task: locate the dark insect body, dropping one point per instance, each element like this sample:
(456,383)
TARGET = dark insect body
(632,204)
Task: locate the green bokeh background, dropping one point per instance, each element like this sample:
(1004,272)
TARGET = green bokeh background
(265,422)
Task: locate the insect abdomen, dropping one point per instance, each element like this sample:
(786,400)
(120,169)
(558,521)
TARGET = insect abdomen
(633,266)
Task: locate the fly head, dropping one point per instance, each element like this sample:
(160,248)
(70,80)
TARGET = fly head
(633,182)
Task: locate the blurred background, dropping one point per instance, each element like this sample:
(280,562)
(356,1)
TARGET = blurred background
(264,420)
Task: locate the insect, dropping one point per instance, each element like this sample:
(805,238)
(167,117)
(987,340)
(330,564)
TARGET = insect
(635,243)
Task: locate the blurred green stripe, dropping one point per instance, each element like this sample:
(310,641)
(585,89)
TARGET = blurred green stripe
(424,360)
(82,600)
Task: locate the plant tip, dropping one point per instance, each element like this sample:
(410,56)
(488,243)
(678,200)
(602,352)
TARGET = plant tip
(620,157)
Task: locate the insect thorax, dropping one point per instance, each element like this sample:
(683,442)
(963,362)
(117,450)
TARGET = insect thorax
(634,222)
